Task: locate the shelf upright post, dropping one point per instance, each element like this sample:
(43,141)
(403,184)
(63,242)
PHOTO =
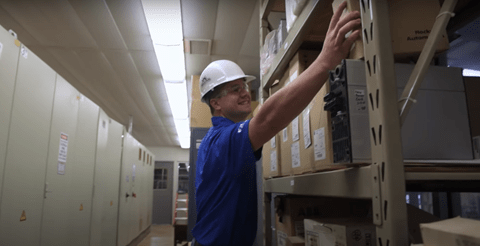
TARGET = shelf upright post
(388,177)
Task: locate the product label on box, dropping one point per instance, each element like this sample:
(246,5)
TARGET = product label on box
(419,35)
(273,142)
(360,102)
(306,128)
(295,135)
(281,238)
(273,161)
(319,144)
(285,135)
(296,154)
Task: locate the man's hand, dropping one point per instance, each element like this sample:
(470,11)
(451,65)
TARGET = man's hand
(336,46)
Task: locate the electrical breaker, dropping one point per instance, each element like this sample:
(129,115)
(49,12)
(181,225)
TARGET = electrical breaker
(436,128)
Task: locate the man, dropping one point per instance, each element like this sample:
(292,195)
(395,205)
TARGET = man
(226,189)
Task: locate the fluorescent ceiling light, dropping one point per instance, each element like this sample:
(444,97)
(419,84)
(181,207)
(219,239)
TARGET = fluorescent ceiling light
(172,61)
(471,73)
(165,25)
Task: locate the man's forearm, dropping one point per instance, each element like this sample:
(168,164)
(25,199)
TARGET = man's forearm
(282,107)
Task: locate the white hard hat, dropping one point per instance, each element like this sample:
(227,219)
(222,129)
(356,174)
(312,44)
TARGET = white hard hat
(220,72)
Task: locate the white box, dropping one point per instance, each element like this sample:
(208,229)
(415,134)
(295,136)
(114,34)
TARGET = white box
(345,231)
(457,231)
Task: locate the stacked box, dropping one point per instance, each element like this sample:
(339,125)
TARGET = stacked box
(410,23)
(291,211)
(340,231)
(271,158)
(301,161)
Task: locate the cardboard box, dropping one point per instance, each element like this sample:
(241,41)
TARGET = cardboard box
(292,210)
(200,115)
(456,231)
(301,61)
(410,24)
(301,159)
(286,151)
(332,232)
(321,150)
(196,87)
(271,158)
(295,241)
(280,84)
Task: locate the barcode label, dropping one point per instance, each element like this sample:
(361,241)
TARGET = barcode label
(295,135)
(319,144)
(273,161)
(295,154)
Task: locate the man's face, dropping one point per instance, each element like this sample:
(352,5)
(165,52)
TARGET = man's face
(235,102)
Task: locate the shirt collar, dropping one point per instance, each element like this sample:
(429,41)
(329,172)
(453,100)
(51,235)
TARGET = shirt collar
(221,121)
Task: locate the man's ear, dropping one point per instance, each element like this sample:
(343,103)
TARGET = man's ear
(214,103)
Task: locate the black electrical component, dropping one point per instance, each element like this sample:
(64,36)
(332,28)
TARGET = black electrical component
(336,102)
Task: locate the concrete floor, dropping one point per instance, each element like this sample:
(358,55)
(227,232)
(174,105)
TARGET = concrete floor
(160,235)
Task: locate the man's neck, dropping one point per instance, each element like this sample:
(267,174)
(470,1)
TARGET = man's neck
(219,114)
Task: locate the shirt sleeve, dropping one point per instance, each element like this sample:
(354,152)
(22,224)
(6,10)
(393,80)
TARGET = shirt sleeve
(241,141)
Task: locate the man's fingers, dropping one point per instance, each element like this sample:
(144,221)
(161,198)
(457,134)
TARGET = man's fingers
(352,25)
(348,18)
(351,39)
(336,15)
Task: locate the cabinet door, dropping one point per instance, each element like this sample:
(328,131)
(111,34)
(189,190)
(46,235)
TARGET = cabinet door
(9,53)
(103,230)
(57,208)
(126,198)
(83,170)
(26,158)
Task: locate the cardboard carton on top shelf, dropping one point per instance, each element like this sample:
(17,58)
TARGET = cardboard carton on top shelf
(410,24)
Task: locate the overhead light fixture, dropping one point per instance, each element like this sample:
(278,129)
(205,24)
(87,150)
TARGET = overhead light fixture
(164,22)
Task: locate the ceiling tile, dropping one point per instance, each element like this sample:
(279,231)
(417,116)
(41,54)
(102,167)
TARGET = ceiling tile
(131,22)
(233,18)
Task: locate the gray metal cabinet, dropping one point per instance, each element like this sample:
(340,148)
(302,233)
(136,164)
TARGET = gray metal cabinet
(57,207)
(103,229)
(9,53)
(26,155)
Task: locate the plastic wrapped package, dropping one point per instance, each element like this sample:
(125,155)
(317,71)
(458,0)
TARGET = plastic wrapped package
(293,8)
(269,50)
(282,33)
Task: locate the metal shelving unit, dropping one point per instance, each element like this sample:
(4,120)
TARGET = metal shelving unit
(387,178)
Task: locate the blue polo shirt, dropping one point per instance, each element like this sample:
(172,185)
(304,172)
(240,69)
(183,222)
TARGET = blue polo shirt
(226,188)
